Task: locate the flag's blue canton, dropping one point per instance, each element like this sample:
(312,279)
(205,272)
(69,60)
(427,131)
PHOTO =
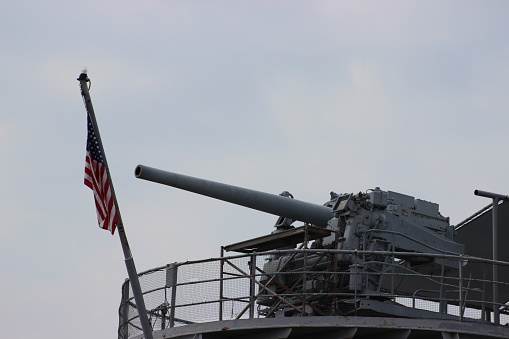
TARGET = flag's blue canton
(93,144)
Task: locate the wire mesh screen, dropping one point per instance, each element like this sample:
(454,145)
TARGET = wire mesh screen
(315,283)
(197,293)
(237,288)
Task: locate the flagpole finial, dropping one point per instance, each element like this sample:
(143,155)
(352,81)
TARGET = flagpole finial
(83,75)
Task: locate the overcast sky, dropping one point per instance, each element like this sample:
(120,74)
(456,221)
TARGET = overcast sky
(304,96)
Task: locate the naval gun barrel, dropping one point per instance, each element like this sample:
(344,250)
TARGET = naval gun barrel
(269,203)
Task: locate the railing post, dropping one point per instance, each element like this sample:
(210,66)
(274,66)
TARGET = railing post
(443,296)
(305,269)
(393,260)
(496,198)
(221,284)
(124,325)
(252,286)
(356,282)
(496,314)
(460,276)
(171,282)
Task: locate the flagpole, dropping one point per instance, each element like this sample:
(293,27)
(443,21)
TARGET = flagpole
(129,262)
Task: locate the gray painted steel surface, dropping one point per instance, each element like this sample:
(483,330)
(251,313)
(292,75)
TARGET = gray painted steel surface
(261,201)
(335,327)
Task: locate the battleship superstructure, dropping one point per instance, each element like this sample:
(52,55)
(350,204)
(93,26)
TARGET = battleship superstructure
(371,264)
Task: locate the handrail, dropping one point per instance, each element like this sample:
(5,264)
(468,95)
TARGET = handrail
(208,290)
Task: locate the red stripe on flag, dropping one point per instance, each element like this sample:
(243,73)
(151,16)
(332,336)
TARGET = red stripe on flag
(96,178)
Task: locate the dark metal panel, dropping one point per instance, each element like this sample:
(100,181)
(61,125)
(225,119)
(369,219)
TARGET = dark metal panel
(340,333)
(398,334)
(449,335)
(477,236)
(324,333)
(276,333)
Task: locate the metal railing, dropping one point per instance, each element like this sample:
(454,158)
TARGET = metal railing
(309,282)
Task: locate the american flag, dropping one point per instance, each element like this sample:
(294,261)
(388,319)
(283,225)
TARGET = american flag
(96,177)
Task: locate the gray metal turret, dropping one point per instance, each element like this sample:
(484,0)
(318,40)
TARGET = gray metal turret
(359,258)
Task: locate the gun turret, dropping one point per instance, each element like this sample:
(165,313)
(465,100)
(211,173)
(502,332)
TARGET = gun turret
(270,203)
(376,221)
